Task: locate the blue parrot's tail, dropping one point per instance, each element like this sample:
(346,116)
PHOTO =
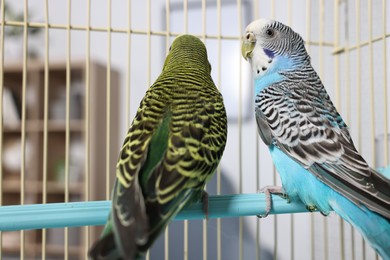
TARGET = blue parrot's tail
(385,171)
(374,227)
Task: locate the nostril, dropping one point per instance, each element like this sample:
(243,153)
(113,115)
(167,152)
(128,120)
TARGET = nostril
(263,68)
(258,71)
(249,36)
(269,61)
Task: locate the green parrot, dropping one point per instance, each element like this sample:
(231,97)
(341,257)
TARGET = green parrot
(172,148)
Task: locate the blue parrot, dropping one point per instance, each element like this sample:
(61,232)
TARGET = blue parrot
(385,171)
(308,140)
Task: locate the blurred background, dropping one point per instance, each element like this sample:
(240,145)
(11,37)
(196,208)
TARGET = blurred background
(72,74)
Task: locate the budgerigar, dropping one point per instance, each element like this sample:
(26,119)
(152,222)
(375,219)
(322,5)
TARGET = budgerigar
(172,148)
(308,140)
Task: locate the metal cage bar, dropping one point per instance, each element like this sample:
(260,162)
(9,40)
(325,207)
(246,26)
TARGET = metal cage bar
(2,13)
(87,120)
(256,15)
(167,46)
(154,32)
(359,98)
(45,123)
(240,181)
(384,50)
(204,222)
(219,35)
(23,121)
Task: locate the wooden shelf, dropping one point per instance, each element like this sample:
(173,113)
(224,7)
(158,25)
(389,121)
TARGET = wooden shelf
(53,187)
(38,126)
(58,250)
(36,65)
(36,249)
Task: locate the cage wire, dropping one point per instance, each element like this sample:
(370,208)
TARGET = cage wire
(72,74)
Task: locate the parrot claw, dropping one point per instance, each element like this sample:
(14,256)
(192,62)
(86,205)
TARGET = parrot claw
(311,208)
(268,190)
(325,214)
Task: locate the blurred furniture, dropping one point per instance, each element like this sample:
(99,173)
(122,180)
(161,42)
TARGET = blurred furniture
(56,131)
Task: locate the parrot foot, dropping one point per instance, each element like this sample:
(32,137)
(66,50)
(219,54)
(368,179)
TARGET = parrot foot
(311,208)
(205,204)
(268,190)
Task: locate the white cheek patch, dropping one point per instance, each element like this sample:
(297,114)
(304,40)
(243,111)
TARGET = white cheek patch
(260,62)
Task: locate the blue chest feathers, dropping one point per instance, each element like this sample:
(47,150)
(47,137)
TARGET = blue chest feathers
(272,75)
(299,183)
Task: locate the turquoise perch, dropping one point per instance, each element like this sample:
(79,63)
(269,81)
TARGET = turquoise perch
(94,213)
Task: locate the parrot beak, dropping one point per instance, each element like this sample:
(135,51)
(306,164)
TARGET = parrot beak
(248,44)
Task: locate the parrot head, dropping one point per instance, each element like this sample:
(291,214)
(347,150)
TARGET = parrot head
(187,51)
(271,46)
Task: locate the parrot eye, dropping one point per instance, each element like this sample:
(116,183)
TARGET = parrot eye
(270,32)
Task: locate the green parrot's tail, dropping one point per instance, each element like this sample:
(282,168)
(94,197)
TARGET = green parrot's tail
(104,249)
